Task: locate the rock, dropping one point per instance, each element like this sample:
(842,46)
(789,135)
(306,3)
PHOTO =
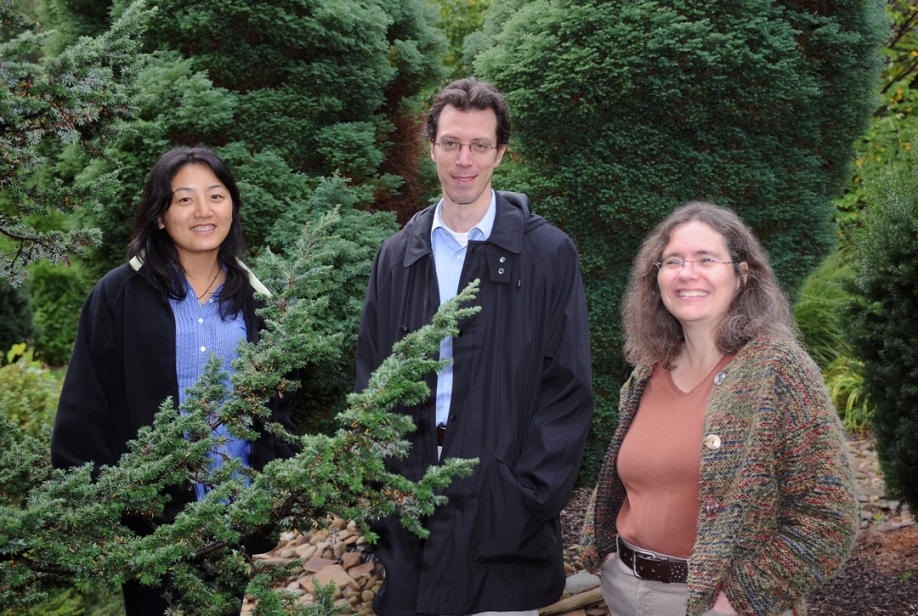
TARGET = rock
(338,549)
(334,574)
(368,595)
(288,553)
(361,570)
(581,582)
(305,551)
(314,565)
(350,559)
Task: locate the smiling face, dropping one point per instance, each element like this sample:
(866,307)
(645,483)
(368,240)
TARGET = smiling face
(697,296)
(466,177)
(200,215)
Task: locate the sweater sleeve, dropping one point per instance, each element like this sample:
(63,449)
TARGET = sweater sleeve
(817,515)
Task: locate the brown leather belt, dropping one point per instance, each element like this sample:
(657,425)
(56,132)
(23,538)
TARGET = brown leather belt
(650,566)
(441,434)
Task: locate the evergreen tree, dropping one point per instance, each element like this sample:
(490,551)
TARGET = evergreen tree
(62,528)
(882,328)
(624,109)
(75,98)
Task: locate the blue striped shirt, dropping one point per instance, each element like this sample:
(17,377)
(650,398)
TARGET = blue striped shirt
(199,331)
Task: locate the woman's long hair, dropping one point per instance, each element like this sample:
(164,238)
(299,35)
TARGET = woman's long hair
(156,247)
(653,335)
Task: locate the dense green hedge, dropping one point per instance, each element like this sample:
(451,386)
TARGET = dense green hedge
(624,109)
(883,329)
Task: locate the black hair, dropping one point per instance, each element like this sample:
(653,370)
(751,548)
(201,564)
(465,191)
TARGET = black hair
(156,248)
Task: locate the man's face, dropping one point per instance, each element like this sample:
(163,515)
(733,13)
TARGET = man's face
(466,175)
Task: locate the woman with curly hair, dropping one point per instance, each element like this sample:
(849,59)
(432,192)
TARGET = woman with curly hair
(727,487)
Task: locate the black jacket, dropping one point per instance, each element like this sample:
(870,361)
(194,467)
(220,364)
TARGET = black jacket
(521,403)
(123,367)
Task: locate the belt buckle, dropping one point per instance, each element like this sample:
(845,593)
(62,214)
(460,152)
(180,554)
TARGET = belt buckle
(646,556)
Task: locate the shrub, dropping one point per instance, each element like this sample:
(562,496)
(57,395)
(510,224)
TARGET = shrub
(28,392)
(882,329)
(58,293)
(15,315)
(819,311)
(624,109)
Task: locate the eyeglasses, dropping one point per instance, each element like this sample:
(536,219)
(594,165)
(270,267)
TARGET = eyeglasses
(675,264)
(477,148)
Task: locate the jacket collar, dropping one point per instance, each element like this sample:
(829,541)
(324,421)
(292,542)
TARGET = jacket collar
(507,232)
(136,264)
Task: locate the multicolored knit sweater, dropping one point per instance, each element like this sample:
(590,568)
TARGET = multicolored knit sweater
(779,512)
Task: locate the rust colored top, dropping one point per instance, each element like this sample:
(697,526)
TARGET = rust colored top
(660,465)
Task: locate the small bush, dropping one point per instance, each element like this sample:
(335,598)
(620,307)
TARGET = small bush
(15,315)
(883,330)
(28,392)
(58,293)
(845,380)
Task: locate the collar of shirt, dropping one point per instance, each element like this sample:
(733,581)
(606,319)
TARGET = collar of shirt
(481,230)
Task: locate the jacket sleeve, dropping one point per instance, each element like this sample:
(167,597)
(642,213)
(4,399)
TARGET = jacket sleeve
(818,511)
(82,425)
(552,448)
(367,355)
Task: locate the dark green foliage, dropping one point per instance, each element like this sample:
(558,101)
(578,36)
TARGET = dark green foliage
(57,296)
(287,92)
(15,317)
(883,330)
(74,98)
(324,386)
(624,109)
(64,528)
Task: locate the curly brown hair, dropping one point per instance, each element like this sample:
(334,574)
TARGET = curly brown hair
(653,335)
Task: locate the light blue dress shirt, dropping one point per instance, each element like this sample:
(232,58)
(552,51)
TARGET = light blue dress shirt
(449,250)
(199,331)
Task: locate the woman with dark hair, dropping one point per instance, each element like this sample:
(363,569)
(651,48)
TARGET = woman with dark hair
(149,326)
(726,488)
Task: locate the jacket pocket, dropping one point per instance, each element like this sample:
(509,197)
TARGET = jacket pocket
(505,530)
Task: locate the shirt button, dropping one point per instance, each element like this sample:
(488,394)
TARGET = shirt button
(203,349)
(712,441)
(500,271)
(200,320)
(503,259)
(720,378)
(210,301)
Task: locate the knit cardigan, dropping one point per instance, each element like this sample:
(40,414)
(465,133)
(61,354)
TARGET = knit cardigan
(778,508)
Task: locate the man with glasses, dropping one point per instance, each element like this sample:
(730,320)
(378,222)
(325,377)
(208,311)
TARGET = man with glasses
(517,395)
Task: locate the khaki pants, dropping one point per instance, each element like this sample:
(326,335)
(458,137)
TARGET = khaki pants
(628,595)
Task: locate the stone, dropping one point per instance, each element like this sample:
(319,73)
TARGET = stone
(368,595)
(319,536)
(350,559)
(364,569)
(334,574)
(305,551)
(288,553)
(581,582)
(314,565)
(338,549)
